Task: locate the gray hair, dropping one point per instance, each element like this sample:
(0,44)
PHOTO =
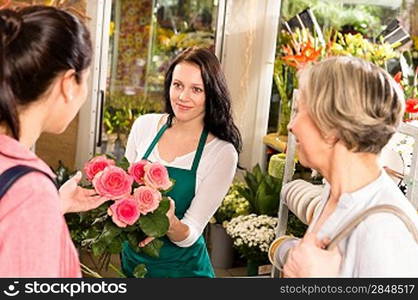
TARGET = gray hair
(356,100)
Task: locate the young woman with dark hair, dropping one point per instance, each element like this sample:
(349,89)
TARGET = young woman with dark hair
(45,54)
(199,143)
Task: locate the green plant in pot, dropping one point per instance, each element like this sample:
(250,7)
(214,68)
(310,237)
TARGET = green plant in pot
(252,234)
(262,191)
(220,244)
(233,205)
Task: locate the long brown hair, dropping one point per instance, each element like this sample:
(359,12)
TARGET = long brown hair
(218,113)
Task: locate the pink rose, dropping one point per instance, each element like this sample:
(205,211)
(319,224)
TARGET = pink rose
(124,212)
(148,199)
(156,176)
(136,170)
(113,182)
(97,164)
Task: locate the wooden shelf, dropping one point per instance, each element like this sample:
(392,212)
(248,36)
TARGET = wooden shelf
(275,141)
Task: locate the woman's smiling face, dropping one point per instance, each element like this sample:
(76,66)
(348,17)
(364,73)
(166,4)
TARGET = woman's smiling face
(187,92)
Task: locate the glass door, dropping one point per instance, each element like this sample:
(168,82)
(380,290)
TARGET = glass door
(143,37)
(340,27)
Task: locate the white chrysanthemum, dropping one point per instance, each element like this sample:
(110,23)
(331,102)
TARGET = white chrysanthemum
(252,231)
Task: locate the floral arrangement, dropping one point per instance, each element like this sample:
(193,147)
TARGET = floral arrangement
(301,48)
(358,46)
(409,85)
(233,205)
(138,208)
(179,42)
(252,235)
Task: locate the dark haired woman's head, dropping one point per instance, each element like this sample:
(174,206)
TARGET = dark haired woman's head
(194,87)
(43,51)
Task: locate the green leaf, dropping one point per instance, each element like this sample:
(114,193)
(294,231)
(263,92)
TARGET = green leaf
(155,224)
(270,182)
(92,233)
(246,193)
(110,232)
(98,248)
(140,271)
(123,163)
(258,173)
(153,248)
(115,246)
(134,240)
(163,207)
(267,203)
(252,183)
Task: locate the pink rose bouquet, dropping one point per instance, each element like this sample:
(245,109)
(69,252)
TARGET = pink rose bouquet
(138,209)
(97,164)
(113,182)
(156,176)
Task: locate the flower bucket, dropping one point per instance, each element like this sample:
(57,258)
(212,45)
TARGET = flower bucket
(221,250)
(252,267)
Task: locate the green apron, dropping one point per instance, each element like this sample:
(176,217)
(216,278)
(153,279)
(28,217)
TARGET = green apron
(175,261)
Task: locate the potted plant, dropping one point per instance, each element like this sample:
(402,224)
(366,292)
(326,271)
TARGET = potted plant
(262,191)
(220,244)
(252,235)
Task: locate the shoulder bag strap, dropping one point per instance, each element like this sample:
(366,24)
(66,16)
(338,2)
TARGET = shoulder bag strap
(11,175)
(385,208)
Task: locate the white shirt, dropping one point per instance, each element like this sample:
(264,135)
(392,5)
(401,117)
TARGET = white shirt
(381,245)
(214,175)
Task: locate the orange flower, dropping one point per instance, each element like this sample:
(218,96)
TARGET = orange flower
(299,59)
(398,77)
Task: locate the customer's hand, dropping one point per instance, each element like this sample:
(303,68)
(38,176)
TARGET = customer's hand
(309,259)
(77,199)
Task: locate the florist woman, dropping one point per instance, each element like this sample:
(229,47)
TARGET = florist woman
(199,143)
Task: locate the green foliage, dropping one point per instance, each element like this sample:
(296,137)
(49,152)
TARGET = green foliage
(178,42)
(156,224)
(140,271)
(233,205)
(118,120)
(409,69)
(122,163)
(285,81)
(153,248)
(366,19)
(262,191)
(122,110)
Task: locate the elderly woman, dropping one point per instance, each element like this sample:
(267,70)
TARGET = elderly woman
(347,110)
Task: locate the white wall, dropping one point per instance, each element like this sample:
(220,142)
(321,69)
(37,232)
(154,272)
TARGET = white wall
(87,135)
(247,57)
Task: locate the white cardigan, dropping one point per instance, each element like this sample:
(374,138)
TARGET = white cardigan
(381,245)
(214,175)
